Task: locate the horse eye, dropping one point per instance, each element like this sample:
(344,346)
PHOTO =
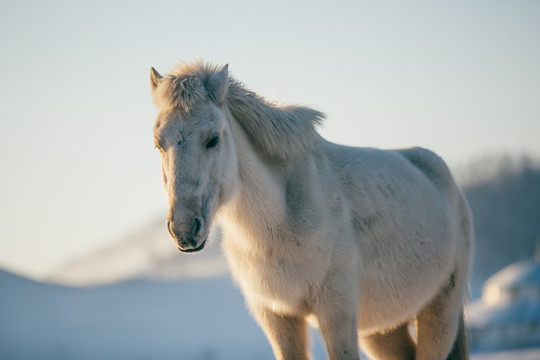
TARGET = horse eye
(212,142)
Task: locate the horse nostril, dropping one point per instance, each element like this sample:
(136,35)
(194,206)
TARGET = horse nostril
(170,228)
(184,229)
(196,226)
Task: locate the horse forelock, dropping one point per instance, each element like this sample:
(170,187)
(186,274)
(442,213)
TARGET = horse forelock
(185,92)
(184,87)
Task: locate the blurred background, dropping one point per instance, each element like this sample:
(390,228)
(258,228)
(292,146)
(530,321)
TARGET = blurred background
(87,269)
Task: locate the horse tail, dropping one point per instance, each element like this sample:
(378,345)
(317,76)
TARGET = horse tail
(460,350)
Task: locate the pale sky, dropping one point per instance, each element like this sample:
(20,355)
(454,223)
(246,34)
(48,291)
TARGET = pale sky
(78,167)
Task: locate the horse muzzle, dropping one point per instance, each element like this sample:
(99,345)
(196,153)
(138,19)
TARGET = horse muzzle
(189,236)
(191,246)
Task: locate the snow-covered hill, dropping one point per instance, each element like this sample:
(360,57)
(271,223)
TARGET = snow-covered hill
(146,254)
(140,299)
(508,314)
(192,319)
(189,319)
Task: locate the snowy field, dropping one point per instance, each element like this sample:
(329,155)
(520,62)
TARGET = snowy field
(523,354)
(197,319)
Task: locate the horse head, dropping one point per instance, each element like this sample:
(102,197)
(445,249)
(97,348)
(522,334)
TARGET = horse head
(196,148)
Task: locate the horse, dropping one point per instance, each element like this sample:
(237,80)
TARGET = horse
(371,246)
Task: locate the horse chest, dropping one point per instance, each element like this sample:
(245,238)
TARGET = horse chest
(279,279)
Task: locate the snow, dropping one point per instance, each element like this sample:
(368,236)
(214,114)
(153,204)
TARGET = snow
(517,281)
(139,299)
(149,254)
(189,319)
(517,354)
(508,314)
(194,319)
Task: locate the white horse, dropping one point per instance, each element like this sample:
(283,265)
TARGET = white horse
(360,240)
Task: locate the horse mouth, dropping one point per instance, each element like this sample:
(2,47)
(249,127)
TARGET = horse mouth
(191,250)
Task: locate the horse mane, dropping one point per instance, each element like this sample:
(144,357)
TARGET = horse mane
(282,132)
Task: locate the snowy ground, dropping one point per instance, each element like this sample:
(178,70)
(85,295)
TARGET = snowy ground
(520,354)
(203,319)
(197,319)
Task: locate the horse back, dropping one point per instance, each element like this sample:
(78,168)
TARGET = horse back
(380,178)
(431,165)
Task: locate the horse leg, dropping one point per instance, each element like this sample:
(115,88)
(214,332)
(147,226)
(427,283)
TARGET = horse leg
(340,336)
(287,334)
(338,325)
(395,344)
(438,323)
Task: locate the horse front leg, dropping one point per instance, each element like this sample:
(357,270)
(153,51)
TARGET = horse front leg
(287,333)
(337,318)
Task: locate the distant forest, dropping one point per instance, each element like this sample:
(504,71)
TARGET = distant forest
(504,195)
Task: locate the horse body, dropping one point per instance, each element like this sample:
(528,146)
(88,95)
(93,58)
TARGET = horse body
(361,240)
(333,212)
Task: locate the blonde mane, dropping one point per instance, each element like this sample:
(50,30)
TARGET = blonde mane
(282,132)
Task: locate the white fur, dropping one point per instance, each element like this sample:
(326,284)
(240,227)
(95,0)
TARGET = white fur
(362,240)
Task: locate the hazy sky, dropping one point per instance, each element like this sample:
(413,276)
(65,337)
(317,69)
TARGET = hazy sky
(78,168)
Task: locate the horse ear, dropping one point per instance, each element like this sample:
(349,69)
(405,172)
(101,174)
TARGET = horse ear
(155,78)
(218,83)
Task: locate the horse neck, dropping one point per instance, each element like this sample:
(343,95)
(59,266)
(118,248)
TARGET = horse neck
(260,201)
